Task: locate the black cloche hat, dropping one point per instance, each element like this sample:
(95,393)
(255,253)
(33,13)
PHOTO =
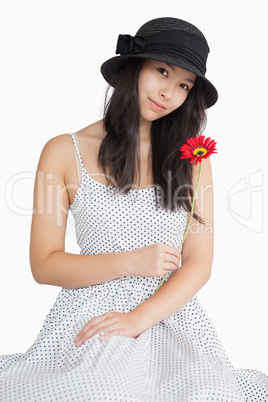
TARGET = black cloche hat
(170,40)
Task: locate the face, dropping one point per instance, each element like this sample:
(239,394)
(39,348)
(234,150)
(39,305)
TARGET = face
(162,89)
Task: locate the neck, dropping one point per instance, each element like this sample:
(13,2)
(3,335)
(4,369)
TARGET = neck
(145,131)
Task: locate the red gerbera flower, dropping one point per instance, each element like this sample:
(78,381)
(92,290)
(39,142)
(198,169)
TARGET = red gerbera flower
(198,148)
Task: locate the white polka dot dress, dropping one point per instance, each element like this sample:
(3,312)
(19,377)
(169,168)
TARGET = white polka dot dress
(179,359)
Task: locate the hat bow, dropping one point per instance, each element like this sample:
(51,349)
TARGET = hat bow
(130,44)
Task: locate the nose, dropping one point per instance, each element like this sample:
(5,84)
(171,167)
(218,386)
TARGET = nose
(166,93)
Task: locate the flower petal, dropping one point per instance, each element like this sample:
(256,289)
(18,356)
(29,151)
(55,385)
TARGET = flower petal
(188,150)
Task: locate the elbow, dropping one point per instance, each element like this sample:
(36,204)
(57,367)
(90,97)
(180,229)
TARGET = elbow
(44,268)
(201,270)
(208,276)
(36,265)
(38,279)
(204,273)
(206,267)
(36,274)
(207,273)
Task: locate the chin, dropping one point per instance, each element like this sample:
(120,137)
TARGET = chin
(150,118)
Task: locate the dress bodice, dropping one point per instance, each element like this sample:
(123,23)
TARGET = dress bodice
(109,221)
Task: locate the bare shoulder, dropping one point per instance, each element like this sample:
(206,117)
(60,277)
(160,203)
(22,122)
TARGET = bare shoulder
(56,153)
(57,144)
(58,157)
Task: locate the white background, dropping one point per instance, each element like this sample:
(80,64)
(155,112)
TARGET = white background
(51,54)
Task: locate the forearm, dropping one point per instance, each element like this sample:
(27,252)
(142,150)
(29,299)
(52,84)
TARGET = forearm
(75,271)
(177,291)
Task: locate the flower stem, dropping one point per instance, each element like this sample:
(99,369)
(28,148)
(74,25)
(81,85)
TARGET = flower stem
(189,223)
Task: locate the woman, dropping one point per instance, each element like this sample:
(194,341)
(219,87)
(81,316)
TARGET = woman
(110,335)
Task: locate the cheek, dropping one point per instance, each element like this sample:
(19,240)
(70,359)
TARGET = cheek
(146,83)
(180,99)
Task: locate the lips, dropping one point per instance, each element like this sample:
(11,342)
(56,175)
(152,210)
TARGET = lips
(158,107)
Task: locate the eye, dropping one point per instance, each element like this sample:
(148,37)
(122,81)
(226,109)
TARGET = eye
(185,87)
(163,71)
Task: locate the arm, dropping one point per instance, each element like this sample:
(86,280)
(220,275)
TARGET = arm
(50,263)
(197,256)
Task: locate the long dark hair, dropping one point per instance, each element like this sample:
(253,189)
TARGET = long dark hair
(119,154)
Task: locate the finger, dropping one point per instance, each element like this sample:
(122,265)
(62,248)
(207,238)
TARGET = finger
(169,267)
(110,334)
(172,260)
(88,331)
(108,329)
(97,330)
(92,326)
(173,251)
(91,323)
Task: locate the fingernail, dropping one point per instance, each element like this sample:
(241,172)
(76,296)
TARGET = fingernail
(79,343)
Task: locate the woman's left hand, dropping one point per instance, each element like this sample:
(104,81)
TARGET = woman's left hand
(112,324)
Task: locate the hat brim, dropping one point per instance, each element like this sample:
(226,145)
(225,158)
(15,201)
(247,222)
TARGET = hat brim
(111,67)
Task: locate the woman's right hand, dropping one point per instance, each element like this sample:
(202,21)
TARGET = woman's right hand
(154,260)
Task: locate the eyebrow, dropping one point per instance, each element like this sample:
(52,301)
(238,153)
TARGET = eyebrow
(190,80)
(173,68)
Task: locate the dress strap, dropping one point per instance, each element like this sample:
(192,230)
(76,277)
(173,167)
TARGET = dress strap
(78,157)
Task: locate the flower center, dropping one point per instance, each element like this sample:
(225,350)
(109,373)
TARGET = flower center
(200,151)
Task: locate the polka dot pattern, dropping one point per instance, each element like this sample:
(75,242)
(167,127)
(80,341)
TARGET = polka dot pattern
(179,359)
